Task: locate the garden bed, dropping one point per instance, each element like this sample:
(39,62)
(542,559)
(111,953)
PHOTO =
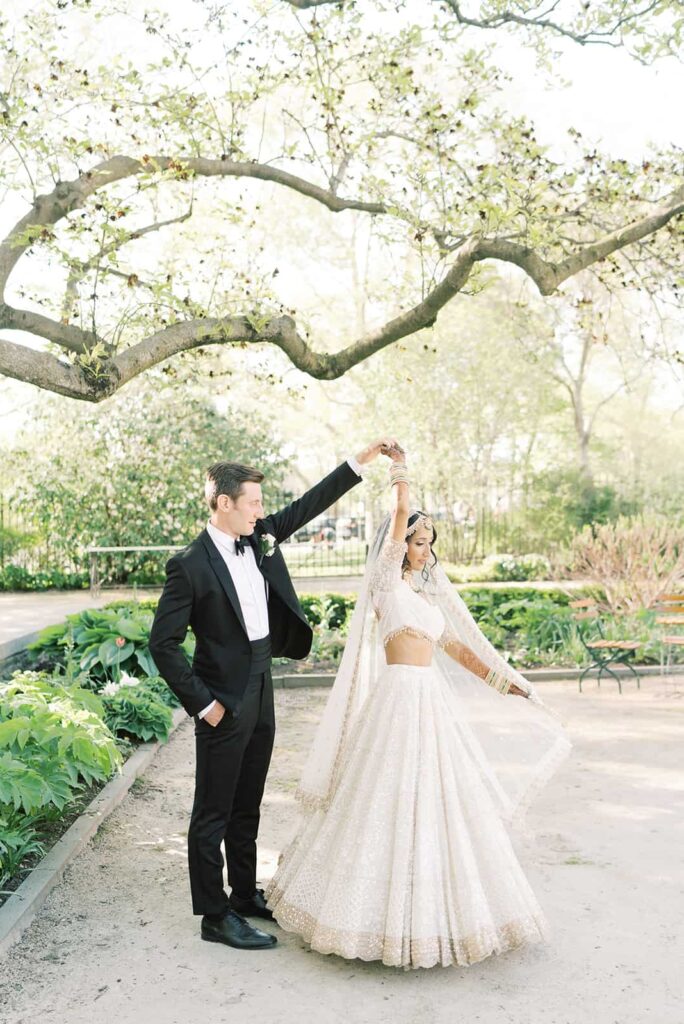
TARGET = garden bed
(50,834)
(66,728)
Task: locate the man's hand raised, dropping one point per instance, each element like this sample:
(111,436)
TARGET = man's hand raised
(385,446)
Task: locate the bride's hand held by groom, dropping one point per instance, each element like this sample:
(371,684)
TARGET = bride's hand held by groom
(383,446)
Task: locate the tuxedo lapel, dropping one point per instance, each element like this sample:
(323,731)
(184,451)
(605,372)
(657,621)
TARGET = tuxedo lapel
(223,576)
(253,541)
(276,575)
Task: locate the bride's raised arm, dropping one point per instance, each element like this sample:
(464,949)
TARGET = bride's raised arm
(399,511)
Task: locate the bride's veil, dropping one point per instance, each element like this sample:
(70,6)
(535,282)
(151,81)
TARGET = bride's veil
(361,662)
(515,742)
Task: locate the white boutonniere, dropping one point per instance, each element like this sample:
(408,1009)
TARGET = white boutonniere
(267,545)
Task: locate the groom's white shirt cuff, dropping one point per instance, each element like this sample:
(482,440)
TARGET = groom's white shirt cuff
(358,469)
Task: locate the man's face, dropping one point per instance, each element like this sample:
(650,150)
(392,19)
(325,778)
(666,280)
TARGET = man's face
(241,515)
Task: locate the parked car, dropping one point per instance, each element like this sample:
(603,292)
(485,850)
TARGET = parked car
(348,527)
(320,530)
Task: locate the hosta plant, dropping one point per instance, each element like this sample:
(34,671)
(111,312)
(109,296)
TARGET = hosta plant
(105,642)
(134,711)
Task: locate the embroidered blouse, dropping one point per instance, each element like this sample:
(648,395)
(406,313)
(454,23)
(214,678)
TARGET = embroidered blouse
(398,607)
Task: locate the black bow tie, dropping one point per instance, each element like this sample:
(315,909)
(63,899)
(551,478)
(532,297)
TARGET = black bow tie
(239,546)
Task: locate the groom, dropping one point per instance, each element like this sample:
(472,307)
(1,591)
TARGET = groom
(232,586)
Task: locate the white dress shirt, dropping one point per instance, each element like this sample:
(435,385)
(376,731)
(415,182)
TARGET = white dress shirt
(250,585)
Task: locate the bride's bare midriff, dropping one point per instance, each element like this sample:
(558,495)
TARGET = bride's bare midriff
(405,649)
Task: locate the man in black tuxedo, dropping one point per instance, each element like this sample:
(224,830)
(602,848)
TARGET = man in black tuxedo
(232,586)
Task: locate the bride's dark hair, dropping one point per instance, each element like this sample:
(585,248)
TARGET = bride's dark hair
(425,571)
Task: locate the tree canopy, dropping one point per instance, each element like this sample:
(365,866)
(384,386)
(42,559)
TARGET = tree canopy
(147,175)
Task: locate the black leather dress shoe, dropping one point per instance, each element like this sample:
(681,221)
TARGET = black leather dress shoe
(254,907)
(233,930)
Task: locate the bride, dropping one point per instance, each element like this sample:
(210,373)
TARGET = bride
(429,746)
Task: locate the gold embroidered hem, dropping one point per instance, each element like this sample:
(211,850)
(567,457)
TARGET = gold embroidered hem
(410,631)
(402,951)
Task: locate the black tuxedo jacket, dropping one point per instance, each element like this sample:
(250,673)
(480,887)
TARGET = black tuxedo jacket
(199,592)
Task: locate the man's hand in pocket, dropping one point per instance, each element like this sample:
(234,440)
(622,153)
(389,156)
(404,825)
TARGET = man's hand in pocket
(214,716)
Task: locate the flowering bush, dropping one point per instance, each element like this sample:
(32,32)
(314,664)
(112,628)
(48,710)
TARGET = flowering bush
(138,708)
(634,561)
(130,472)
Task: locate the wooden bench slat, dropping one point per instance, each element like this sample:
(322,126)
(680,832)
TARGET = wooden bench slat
(618,645)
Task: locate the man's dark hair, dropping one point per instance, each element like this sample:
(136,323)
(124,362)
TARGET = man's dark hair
(228,478)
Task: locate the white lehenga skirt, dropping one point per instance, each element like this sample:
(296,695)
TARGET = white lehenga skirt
(410,864)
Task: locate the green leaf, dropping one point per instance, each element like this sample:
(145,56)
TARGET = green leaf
(146,662)
(130,629)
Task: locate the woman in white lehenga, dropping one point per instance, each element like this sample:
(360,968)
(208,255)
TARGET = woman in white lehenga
(417,768)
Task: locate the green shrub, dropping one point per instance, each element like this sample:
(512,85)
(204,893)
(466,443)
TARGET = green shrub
(18,840)
(106,642)
(52,741)
(147,450)
(136,712)
(56,738)
(530,625)
(332,611)
(14,577)
(156,686)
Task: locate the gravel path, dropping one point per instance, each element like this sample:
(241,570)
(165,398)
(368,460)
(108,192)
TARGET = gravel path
(115,941)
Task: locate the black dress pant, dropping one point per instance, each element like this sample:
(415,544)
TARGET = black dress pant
(232,763)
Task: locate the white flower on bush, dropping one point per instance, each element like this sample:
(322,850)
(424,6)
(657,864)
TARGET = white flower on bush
(111,688)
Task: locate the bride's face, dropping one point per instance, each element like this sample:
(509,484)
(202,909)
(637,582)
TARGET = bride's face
(419,548)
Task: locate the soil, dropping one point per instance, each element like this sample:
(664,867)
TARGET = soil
(116,942)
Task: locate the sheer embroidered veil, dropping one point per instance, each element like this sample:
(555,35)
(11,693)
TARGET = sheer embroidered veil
(515,742)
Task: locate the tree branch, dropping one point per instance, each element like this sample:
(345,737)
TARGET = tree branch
(305,5)
(549,276)
(608,36)
(95,381)
(71,195)
(595,36)
(45,371)
(282,332)
(70,338)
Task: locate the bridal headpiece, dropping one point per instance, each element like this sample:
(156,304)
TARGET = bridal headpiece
(421,521)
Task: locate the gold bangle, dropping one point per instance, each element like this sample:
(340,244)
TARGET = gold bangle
(398,475)
(498,681)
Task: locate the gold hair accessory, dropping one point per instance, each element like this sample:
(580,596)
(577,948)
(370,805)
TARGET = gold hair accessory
(425,521)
